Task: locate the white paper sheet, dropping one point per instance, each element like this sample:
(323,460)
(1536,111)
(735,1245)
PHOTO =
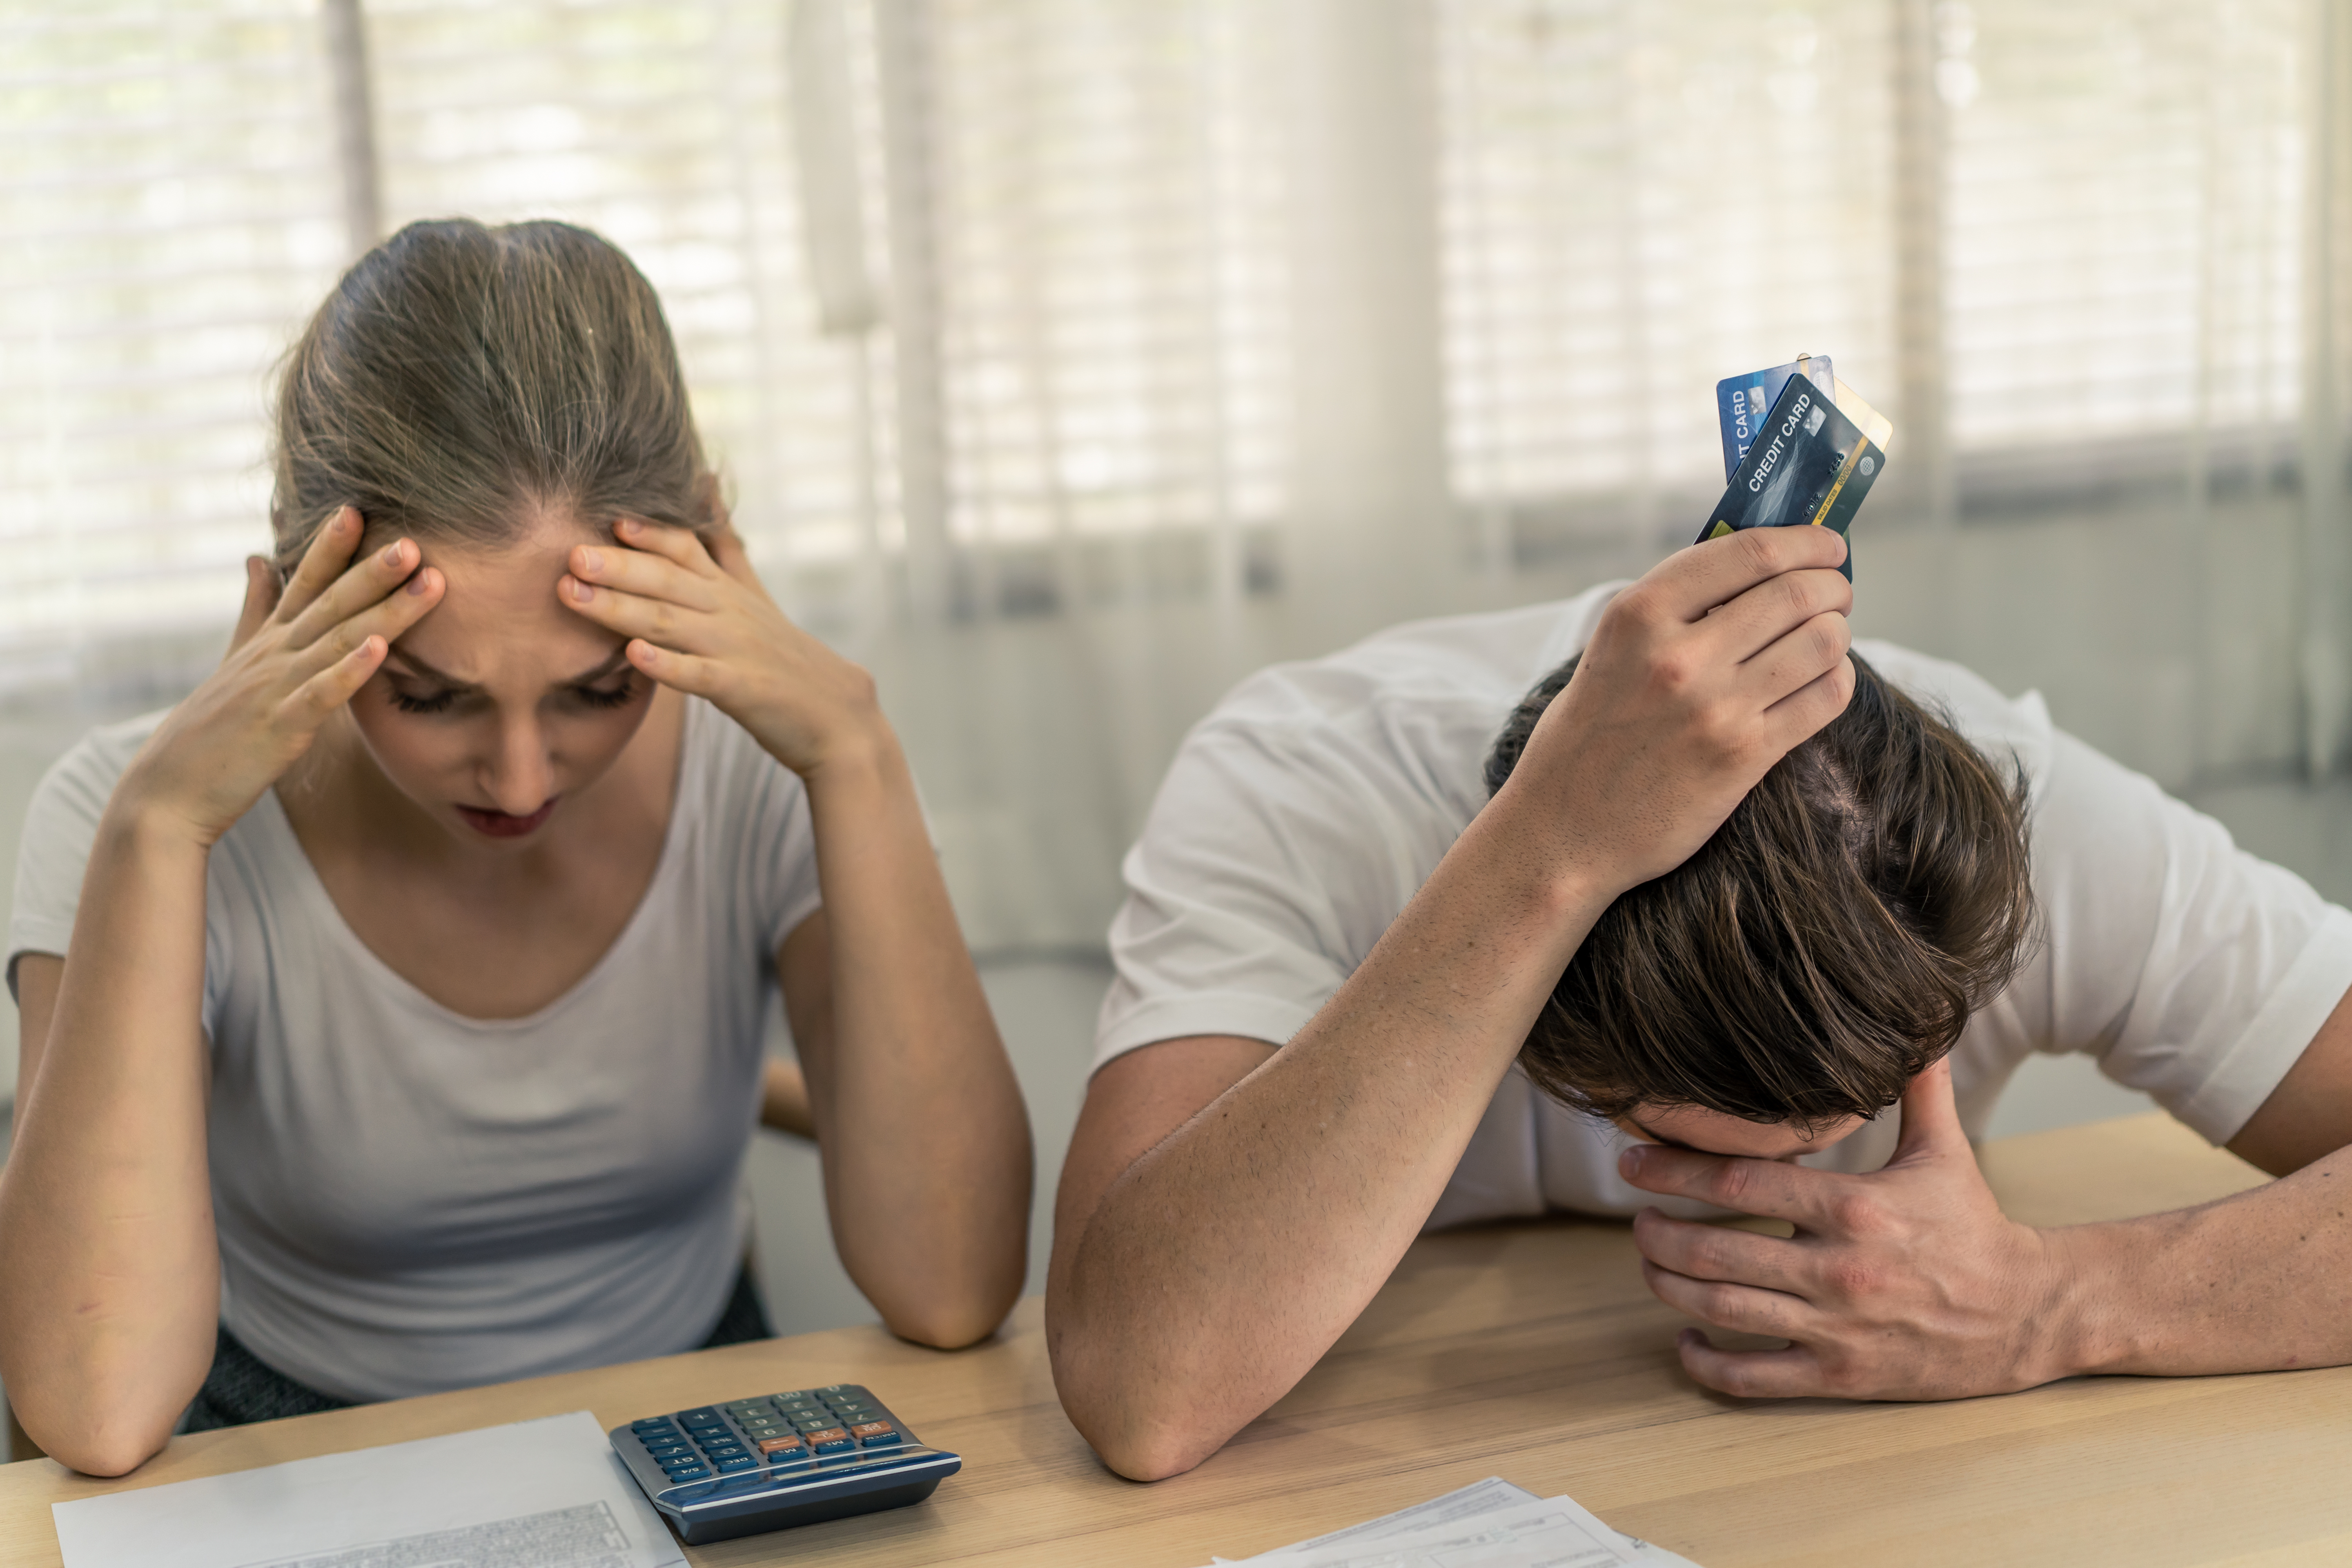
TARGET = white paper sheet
(536,1494)
(1493,1524)
(1463,1502)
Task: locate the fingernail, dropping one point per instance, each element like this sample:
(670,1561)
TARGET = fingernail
(630,525)
(579,591)
(418,584)
(395,552)
(591,560)
(1629,1163)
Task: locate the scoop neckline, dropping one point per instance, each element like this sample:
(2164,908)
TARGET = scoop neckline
(314,888)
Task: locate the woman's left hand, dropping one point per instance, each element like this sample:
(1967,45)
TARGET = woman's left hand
(698,620)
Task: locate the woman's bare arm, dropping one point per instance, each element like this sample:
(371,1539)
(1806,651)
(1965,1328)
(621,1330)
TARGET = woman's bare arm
(926,1139)
(109,1274)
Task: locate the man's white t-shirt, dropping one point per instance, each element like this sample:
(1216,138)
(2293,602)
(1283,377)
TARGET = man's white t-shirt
(1301,816)
(410,1200)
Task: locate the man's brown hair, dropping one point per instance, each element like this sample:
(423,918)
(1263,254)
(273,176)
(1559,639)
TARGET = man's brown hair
(1826,945)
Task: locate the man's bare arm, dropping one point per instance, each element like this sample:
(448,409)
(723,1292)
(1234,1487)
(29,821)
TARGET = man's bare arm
(1224,1215)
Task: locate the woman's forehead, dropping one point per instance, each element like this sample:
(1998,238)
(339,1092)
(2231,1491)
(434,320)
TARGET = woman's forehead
(499,616)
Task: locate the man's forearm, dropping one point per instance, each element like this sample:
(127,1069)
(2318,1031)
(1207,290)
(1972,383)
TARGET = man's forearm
(2256,1282)
(1224,1263)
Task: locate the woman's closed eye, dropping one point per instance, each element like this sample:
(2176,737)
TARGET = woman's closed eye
(606,695)
(433,702)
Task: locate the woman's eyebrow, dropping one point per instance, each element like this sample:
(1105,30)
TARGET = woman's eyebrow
(419,667)
(613,661)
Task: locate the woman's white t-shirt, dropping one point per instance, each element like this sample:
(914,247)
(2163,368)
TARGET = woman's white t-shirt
(409,1200)
(1301,816)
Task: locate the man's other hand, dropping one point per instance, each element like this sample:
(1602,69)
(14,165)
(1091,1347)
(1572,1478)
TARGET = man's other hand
(1905,1283)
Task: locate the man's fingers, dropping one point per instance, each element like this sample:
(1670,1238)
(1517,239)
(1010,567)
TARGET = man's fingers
(642,573)
(1742,1309)
(1800,715)
(1747,629)
(1694,580)
(1931,1119)
(1801,654)
(1791,1374)
(260,597)
(1766,1188)
(1719,1252)
(330,553)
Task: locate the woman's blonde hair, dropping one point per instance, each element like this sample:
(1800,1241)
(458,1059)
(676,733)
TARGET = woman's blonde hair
(463,378)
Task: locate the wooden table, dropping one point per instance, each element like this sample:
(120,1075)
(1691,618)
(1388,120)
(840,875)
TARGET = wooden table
(1530,1352)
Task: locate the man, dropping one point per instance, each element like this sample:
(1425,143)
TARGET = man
(1343,969)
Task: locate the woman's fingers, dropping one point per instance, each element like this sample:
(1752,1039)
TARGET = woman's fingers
(366,583)
(645,573)
(322,563)
(682,545)
(307,706)
(655,620)
(685,672)
(261,595)
(386,618)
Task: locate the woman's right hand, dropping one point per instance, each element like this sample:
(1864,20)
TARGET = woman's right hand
(296,656)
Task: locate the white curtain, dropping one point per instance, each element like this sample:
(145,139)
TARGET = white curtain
(1069,358)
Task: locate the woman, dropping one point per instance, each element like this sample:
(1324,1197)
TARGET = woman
(409,1033)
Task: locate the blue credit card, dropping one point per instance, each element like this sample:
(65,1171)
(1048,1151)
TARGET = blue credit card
(1741,401)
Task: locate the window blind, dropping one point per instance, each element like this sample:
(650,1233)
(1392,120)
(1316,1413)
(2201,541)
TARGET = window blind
(1639,198)
(2125,217)
(1109,245)
(170,210)
(665,127)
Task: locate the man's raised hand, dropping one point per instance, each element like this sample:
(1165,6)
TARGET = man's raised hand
(1905,1283)
(1698,678)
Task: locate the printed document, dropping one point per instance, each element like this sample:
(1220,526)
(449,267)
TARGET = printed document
(536,1494)
(1492,1525)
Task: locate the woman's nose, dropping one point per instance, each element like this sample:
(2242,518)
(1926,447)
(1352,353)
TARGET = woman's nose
(519,775)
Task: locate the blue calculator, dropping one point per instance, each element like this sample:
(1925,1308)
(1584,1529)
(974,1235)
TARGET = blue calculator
(718,1471)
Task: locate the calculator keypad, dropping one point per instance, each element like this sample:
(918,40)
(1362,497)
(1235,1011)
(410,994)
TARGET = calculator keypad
(783,1432)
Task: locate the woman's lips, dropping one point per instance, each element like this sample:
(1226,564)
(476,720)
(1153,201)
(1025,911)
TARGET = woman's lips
(505,823)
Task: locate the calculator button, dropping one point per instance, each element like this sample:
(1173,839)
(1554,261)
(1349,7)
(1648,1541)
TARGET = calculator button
(722,1450)
(669,1452)
(831,1440)
(650,1424)
(691,1473)
(772,1447)
(740,1462)
(699,1413)
(871,1428)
